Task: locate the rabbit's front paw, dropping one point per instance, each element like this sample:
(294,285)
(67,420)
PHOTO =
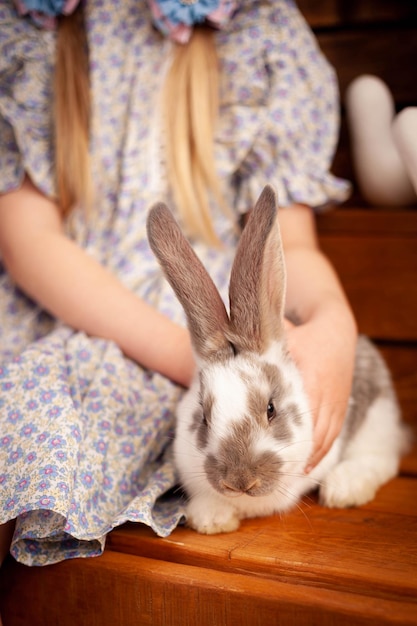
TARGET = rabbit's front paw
(210,519)
(347,485)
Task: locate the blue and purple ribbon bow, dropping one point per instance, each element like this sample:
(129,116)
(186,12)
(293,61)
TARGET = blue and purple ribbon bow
(174,18)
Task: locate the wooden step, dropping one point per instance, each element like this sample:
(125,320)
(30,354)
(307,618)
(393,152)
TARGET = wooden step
(375,255)
(332,549)
(312,566)
(125,590)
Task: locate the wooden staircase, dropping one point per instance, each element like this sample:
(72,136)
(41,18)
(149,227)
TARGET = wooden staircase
(314,565)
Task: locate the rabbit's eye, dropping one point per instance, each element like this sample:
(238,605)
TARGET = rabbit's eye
(204,420)
(271,411)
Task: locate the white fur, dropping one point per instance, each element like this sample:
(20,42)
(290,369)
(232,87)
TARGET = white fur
(209,511)
(370,458)
(349,475)
(230,393)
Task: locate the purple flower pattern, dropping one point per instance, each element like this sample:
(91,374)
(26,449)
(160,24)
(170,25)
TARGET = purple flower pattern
(84,432)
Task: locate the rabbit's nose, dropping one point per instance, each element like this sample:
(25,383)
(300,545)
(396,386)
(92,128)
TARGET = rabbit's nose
(228,487)
(253,484)
(241,486)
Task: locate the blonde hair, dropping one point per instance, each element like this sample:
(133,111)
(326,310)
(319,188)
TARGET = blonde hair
(191,84)
(72,113)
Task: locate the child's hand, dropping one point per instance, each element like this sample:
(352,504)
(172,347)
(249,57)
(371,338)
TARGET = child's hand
(324,350)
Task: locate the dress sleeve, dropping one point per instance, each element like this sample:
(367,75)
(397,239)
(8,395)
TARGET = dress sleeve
(26,68)
(281,123)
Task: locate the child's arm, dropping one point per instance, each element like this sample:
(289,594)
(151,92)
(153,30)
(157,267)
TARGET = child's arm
(71,285)
(324,344)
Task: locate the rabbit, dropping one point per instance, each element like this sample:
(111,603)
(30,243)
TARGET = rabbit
(244,429)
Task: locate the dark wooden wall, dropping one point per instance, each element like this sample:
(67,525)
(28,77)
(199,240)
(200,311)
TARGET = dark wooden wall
(367,37)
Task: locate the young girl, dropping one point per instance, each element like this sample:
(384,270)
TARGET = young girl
(198,104)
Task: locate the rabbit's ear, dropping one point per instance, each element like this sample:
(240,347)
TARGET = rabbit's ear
(257,285)
(206,314)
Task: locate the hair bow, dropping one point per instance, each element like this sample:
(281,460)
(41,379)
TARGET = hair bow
(45,12)
(174,18)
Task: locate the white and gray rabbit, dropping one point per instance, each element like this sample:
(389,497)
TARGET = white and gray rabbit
(244,428)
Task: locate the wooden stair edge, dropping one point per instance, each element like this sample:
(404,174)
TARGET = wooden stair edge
(376,262)
(126,590)
(335,549)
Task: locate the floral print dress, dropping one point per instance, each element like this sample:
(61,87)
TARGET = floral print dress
(85,433)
